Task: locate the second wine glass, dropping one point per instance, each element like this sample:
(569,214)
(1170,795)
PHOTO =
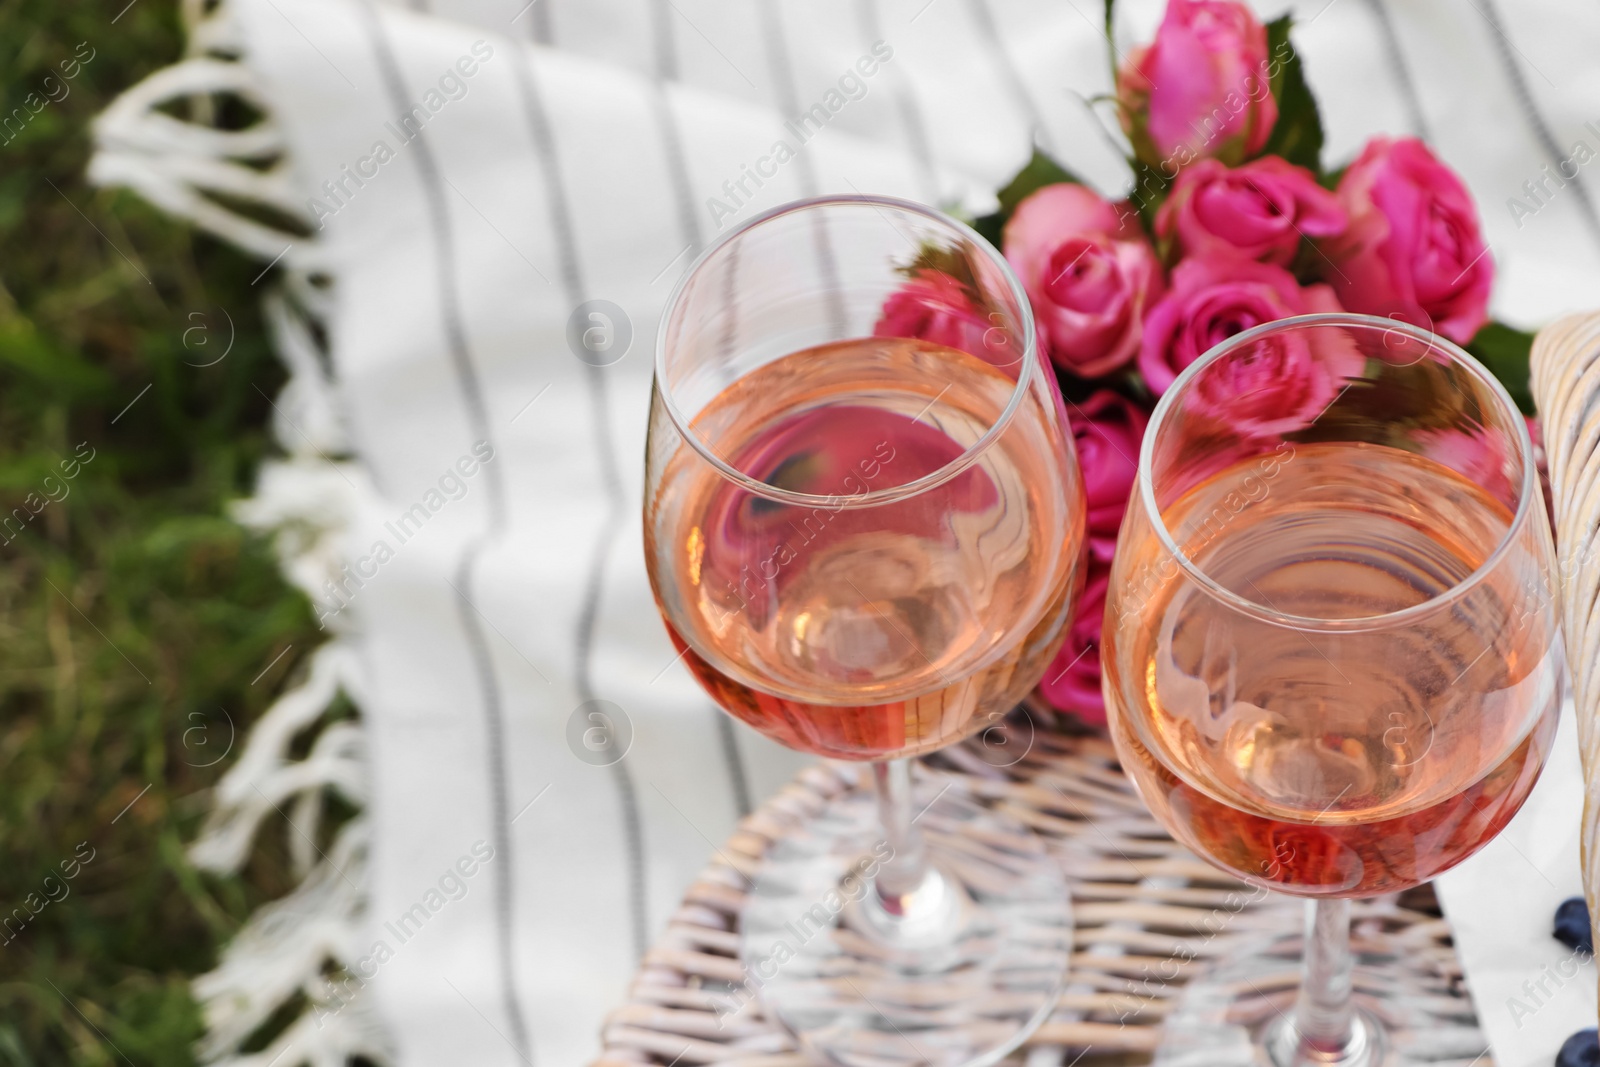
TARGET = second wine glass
(1332,662)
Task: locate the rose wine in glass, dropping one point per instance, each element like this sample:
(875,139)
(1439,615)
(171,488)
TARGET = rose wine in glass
(867,633)
(1332,655)
(867,547)
(1361,782)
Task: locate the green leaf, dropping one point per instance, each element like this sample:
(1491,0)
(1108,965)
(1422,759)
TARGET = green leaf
(1504,350)
(991,227)
(1310,264)
(1297,136)
(952,260)
(1110,6)
(1040,171)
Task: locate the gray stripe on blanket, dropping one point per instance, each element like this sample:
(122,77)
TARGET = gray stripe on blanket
(666,45)
(1416,115)
(689,229)
(788,93)
(1535,118)
(1011,74)
(496,754)
(905,101)
(544,145)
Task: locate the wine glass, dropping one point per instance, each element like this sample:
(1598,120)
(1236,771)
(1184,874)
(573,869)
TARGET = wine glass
(866,544)
(1332,659)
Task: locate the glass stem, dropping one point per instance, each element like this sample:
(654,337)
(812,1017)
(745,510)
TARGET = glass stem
(904,872)
(1323,1015)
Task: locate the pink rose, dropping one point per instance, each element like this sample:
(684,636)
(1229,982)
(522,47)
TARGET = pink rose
(1277,386)
(1259,210)
(1108,429)
(1202,89)
(1089,274)
(1413,249)
(935,307)
(1072,681)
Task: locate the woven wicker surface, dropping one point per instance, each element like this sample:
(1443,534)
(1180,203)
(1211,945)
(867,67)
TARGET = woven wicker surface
(1143,906)
(1566,388)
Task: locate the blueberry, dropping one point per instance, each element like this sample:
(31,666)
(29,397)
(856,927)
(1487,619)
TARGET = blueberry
(1572,925)
(1582,1049)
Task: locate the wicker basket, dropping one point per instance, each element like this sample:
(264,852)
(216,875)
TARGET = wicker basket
(1566,387)
(1142,906)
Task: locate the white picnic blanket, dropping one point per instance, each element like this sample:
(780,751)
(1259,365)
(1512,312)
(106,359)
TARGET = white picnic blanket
(472,173)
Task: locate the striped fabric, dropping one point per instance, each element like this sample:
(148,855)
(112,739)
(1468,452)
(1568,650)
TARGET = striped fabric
(594,149)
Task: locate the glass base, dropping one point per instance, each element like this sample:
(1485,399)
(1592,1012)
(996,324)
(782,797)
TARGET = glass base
(970,969)
(1238,1012)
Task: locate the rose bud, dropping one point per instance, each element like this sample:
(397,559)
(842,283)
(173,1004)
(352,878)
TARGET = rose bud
(1202,89)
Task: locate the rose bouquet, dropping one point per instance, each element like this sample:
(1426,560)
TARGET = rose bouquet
(1232,221)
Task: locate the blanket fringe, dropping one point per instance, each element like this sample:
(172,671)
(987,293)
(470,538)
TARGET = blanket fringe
(299,950)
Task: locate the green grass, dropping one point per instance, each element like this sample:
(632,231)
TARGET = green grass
(131,610)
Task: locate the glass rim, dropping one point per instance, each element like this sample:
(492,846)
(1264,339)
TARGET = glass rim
(938,477)
(1168,403)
